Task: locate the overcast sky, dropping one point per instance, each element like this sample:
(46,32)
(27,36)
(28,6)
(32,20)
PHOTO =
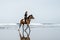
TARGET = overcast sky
(44,11)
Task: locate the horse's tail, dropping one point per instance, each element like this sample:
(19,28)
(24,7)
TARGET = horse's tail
(20,23)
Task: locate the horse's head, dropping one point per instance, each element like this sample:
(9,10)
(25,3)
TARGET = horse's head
(30,17)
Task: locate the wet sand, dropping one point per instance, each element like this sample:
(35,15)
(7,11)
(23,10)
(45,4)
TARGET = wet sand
(37,33)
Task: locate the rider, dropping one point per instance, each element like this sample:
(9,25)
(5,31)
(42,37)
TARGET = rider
(25,16)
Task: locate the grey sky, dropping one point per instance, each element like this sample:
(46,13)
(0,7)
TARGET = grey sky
(44,11)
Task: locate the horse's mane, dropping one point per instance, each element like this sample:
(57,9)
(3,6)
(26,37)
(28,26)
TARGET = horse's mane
(29,16)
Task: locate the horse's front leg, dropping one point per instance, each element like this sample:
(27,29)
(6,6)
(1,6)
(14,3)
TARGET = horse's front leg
(27,28)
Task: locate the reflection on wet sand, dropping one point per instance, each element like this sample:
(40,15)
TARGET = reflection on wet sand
(22,37)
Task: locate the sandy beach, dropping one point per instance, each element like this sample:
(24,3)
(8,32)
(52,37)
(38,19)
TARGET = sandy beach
(37,32)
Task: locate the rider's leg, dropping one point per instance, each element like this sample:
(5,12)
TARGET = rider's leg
(25,20)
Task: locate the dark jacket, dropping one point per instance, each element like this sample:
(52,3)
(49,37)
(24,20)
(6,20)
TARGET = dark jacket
(25,16)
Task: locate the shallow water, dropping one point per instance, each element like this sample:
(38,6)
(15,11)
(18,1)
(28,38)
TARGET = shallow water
(38,32)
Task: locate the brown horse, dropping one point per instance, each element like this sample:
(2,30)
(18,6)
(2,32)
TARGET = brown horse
(22,21)
(28,20)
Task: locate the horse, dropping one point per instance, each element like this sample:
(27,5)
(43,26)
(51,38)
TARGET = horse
(28,20)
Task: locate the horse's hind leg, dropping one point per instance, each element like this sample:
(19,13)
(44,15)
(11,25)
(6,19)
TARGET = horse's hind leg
(19,26)
(23,30)
(27,27)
